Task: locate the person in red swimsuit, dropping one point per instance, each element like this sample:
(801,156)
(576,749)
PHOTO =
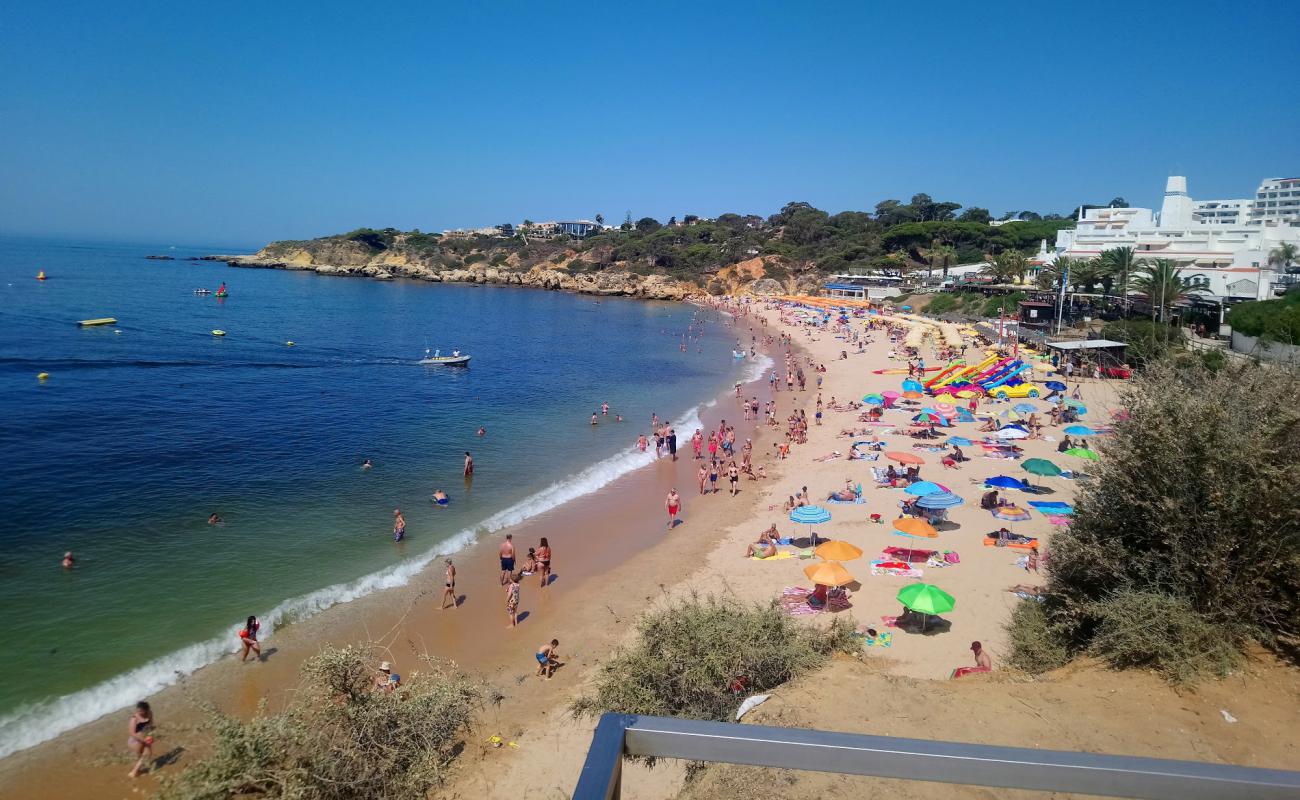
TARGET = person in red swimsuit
(248,637)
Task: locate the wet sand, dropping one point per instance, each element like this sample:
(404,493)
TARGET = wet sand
(612,557)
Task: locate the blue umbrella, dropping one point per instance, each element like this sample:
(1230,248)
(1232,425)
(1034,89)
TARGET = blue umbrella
(1080,430)
(910,385)
(873,400)
(964,415)
(922,488)
(960,441)
(1024,408)
(810,515)
(1005,482)
(1055,386)
(940,500)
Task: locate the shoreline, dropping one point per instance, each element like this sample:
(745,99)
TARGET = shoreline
(405,614)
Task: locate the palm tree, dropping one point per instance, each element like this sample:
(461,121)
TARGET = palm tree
(943,255)
(1284,255)
(1009,266)
(1162,282)
(1121,263)
(1050,276)
(1084,274)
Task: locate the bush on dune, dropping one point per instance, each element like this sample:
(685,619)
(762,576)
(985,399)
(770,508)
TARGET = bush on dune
(700,657)
(340,739)
(1187,543)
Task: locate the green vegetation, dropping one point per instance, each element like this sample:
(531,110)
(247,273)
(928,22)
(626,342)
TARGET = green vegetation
(340,739)
(974,304)
(1272,320)
(1186,545)
(700,657)
(1147,340)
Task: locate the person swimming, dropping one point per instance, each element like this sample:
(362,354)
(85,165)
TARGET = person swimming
(68,561)
(366,464)
(440,497)
(214,519)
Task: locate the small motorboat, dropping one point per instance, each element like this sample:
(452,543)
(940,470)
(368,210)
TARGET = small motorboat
(218,333)
(738,354)
(203,291)
(456,359)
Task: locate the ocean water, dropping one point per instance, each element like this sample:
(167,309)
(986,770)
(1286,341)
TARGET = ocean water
(145,427)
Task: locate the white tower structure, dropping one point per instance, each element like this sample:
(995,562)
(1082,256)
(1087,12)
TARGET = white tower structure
(1176,212)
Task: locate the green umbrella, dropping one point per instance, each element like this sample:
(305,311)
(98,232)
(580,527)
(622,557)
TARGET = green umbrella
(1041,466)
(926,599)
(1083,452)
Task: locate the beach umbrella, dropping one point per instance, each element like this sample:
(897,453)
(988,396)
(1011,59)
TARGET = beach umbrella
(922,488)
(938,500)
(1080,430)
(828,573)
(873,399)
(1024,408)
(838,551)
(960,441)
(928,417)
(910,385)
(927,599)
(964,415)
(1055,386)
(1070,401)
(967,394)
(1041,466)
(1011,513)
(810,516)
(947,410)
(1083,452)
(1012,432)
(903,458)
(912,527)
(912,394)
(1005,482)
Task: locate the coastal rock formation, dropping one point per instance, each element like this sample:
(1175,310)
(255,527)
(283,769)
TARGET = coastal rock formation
(349,258)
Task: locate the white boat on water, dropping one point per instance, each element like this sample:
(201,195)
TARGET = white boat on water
(456,359)
(738,354)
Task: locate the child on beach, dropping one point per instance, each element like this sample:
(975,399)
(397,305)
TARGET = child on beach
(138,738)
(248,637)
(547,659)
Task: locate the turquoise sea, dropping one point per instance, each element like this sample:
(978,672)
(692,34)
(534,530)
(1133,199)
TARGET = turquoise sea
(145,427)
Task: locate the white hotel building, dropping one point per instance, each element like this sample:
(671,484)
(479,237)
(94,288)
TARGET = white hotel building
(1222,244)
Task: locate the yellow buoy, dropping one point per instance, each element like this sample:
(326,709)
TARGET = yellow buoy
(40,276)
(40,376)
(288,344)
(218,333)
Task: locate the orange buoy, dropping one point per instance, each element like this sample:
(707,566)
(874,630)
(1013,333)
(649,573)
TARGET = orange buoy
(40,276)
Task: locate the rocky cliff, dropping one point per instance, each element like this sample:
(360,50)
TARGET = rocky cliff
(563,271)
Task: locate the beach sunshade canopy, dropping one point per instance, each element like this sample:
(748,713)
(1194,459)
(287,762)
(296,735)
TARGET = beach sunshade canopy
(912,394)
(1040,466)
(1024,408)
(1012,432)
(926,599)
(1080,430)
(967,394)
(873,399)
(828,573)
(1005,482)
(1011,513)
(890,394)
(939,500)
(1070,401)
(912,386)
(926,416)
(1083,452)
(960,441)
(904,458)
(810,515)
(1055,386)
(916,527)
(922,488)
(946,409)
(1043,366)
(836,550)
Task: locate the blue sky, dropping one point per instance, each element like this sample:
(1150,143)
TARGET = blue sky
(241,122)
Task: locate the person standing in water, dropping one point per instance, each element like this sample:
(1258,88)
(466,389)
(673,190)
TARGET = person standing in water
(469,464)
(399,525)
(449,591)
(138,738)
(248,638)
(68,561)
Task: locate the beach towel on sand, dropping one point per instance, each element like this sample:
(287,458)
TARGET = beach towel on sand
(1054,507)
(856,501)
(794,601)
(780,555)
(882,567)
(1029,545)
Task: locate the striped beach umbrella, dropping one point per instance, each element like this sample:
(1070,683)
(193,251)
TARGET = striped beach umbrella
(938,500)
(810,516)
(922,488)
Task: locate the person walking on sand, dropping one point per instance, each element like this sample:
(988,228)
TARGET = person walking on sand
(449,591)
(469,464)
(399,525)
(512,599)
(703,476)
(733,475)
(248,638)
(697,443)
(507,554)
(138,737)
(547,659)
(544,561)
(674,504)
(672,443)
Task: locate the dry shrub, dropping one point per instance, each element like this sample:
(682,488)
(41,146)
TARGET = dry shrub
(1150,630)
(699,659)
(340,739)
(1035,647)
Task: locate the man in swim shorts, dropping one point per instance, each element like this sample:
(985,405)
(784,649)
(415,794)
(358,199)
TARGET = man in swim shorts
(507,553)
(449,591)
(399,525)
(673,504)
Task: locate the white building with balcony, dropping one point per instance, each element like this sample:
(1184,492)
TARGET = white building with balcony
(1223,244)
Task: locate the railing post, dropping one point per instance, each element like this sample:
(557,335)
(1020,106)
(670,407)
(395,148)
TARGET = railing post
(603,771)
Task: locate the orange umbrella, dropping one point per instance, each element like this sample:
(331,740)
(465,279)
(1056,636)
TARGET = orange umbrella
(904,458)
(828,573)
(912,394)
(838,551)
(916,527)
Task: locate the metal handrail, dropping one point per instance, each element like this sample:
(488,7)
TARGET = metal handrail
(618,735)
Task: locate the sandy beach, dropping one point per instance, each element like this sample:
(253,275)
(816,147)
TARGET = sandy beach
(613,561)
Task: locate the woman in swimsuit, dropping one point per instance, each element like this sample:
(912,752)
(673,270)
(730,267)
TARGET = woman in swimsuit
(703,476)
(733,475)
(530,562)
(248,637)
(138,738)
(449,591)
(544,561)
(512,599)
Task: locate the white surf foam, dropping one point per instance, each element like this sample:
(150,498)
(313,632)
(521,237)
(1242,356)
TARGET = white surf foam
(30,725)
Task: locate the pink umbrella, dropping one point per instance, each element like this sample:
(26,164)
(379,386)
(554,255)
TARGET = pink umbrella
(890,398)
(946,410)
